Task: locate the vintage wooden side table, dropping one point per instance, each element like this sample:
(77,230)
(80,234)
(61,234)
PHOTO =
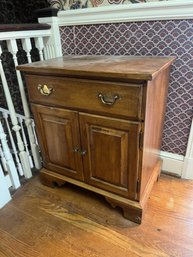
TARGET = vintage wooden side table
(99,121)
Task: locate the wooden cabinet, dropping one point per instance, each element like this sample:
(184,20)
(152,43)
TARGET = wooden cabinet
(99,122)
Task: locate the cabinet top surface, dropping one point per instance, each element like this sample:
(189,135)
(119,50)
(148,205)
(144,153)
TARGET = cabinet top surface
(125,67)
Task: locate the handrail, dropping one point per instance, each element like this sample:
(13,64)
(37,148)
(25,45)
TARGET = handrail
(30,36)
(16,31)
(19,149)
(23,27)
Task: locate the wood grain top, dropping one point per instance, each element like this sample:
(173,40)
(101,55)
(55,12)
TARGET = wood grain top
(124,67)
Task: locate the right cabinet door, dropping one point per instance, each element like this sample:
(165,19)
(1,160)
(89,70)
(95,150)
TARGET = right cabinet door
(112,153)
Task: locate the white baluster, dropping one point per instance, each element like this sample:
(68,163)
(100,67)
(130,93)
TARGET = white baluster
(34,131)
(46,48)
(12,46)
(5,196)
(48,52)
(40,46)
(9,160)
(25,142)
(3,160)
(19,167)
(16,127)
(45,53)
(53,51)
(26,43)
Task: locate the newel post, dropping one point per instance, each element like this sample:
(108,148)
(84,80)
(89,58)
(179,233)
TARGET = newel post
(53,46)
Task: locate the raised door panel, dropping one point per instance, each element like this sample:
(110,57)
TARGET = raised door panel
(112,153)
(59,140)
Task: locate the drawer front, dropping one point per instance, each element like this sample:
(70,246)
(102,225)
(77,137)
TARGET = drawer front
(123,99)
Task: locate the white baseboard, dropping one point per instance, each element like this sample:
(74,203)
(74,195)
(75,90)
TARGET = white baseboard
(188,161)
(172,163)
(188,168)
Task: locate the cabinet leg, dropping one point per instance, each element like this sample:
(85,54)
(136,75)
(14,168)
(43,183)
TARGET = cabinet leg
(133,214)
(110,201)
(129,212)
(158,177)
(50,181)
(159,169)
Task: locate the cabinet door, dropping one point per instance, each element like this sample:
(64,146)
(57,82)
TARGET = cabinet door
(58,133)
(112,153)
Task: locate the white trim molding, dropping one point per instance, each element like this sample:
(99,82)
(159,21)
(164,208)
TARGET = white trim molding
(188,161)
(172,163)
(162,10)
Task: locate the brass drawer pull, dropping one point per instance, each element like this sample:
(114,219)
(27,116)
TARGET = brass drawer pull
(109,101)
(44,90)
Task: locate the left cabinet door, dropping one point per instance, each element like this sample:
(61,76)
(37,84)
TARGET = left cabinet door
(58,134)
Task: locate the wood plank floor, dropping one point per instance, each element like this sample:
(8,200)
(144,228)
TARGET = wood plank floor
(68,221)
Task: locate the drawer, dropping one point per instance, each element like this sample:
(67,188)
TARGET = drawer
(124,99)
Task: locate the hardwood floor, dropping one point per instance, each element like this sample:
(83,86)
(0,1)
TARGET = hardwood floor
(68,221)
